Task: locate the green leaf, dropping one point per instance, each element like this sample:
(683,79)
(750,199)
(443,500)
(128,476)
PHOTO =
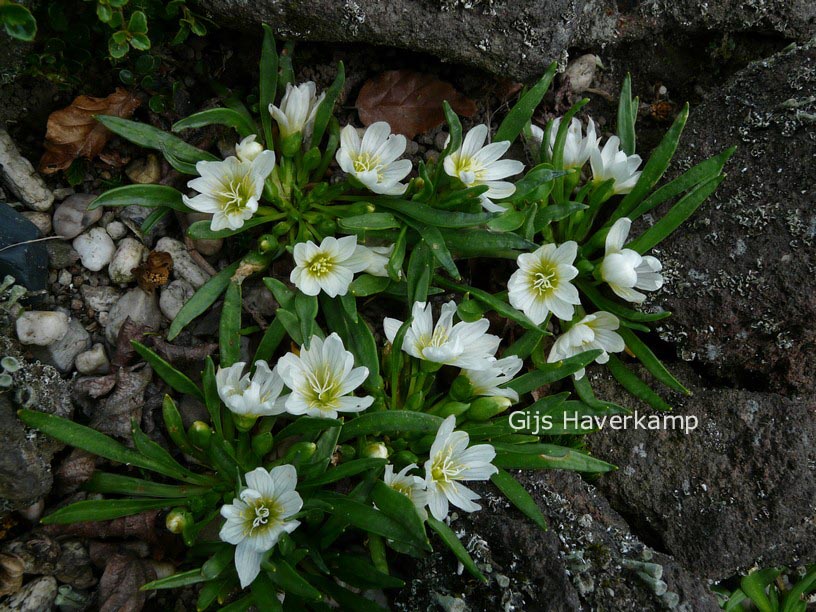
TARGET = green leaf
(478,243)
(326,108)
(390,422)
(201,230)
(216,564)
(369,221)
(681,211)
(179,154)
(561,137)
(268,82)
(306,310)
(519,497)
(177,380)
(519,116)
(153,218)
(400,508)
(634,385)
(420,271)
(356,571)
(174,426)
(453,543)
(104,482)
(229,330)
(491,301)
(552,372)
(211,398)
(753,585)
(367,285)
(201,300)
(627,114)
(344,470)
(432,237)
(435,217)
(794,600)
(150,196)
(140,42)
(18,21)
(306,425)
(175,581)
(454,129)
(137,23)
(290,580)
(547,456)
(359,338)
(159,455)
(604,303)
(555,212)
(650,361)
(370,520)
(104,510)
(270,341)
(536,184)
(218,116)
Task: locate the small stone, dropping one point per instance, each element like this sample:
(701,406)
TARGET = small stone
(61,354)
(17,173)
(174,296)
(60,193)
(581,72)
(61,254)
(72,217)
(95,248)
(42,327)
(74,566)
(130,254)
(26,261)
(100,299)
(65,278)
(134,215)
(205,247)
(142,308)
(41,220)
(116,230)
(36,596)
(183,265)
(93,361)
(144,171)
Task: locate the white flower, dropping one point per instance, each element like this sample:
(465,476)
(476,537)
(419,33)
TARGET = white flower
(413,487)
(488,382)
(297,110)
(612,163)
(594,331)
(624,270)
(452,461)
(247,150)
(321,379)
(577,147)
(329,267)
(256,519)
(475,164)
(230,189)
(466,345)
(377,260)
(373,160)
(251,397)
(542,283)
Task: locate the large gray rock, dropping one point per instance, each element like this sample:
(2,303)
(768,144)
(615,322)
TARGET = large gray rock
(742,281)
(587,560)
(738,490)
(517,38)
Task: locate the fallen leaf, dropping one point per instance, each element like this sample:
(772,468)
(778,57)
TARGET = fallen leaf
(411,102)
(176,354)
(155,272)
(124,347)
(72,132)
(75,470)
(114,415)
(121,583)
(141,526)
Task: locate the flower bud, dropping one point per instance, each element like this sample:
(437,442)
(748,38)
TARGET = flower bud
(347,452)
(403,458)
(375,450)
(302,451)
(244,422)
(177,520)
(461,390)
(361,208)
(262,444)
(447,408)
(199,434)
(485,408)
(247,150)
(267,243)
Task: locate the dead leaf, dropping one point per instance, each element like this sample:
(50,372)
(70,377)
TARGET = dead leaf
(155,272)
(121,583)
(411,102)
(114,415)
(124,347)
(184,354)
(141,526)
(75,470)
(73,132)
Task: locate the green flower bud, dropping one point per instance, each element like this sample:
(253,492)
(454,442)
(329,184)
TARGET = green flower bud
(290,146)
(199,434)
(244,422)
(375,450)
(461,390)
(262,444)
(447,408)
(347,452)
(178,519)
(403,458)
(485,408)
(268,243)
(327,227)
(361,208)
(302,451)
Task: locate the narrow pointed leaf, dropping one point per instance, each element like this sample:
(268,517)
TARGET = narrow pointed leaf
(452,542)
(177,380)
(519,497)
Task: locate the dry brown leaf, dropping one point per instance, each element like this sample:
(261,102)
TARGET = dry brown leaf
(75,470)
(155,272)
(114,415)
(141,526)
(411,102)
(73,132)
(121,583)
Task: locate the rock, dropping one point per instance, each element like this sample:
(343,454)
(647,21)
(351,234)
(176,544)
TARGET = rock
(587,560)
(205,247)
(25,455)
(19,176)
(40,220)
(61,354)
(129,254)
(61,254)
(183,265)
(95,248)
(27,263)
(72,217)
(60,193)
(36,596)
(42,327)
(100,299)
(116,230)
(581,72)
(512,38)
(146,171)
(139,306)
(134,215)
(741,281)
(174,296)
(74,565)
(94,361)
(720,498)
(38,551)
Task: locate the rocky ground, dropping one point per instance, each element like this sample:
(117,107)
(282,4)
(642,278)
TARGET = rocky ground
(683,510)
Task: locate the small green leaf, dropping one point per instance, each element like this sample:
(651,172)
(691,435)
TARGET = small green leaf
(604,303)
(140,42)
(137,23)
(455,546)
(201,300)
(290,580)
(104,482)
(454,129)
(519,497)
(390,422)
(536,184)
(368,519)
(344,470)
(306,425)
(369,221)
(651,362)
(268,82)
(326,108)
(400,508)
(211,398)
(104,510)
(754,585)
(479,243)
(229,331)
(18,21)
(177,380)
(367,285)
(420,271)
(547,457)
(627,113)
(356,571)
(175,581)
(150,196)
(491,301)
(634,385)
(202,230)
(519,116)
(270,341)
(218,116)
(435,217)
(552,372)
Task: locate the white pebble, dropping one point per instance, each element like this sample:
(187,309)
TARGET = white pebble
(174,296)
(116,229)
(183,265)
(141,307)
(95,248)
(129,255)
(42,220)
(72,217)
(93,361)
(42,327)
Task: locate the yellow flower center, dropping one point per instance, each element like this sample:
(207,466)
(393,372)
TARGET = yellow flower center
(545,278)
(323,388)
(235,194)
(468,171)
(320,265)
(366,162)
(438,338)
(443,469)
(263,514)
